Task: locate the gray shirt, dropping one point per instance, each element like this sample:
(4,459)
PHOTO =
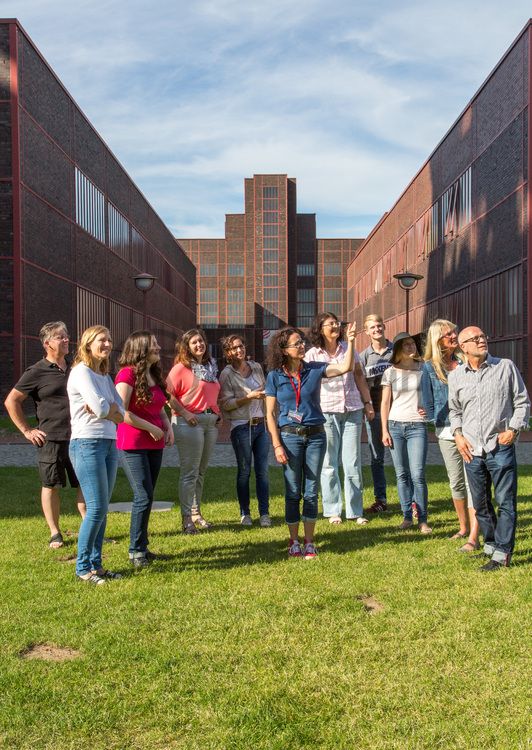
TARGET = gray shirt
(375,365)
(487,401)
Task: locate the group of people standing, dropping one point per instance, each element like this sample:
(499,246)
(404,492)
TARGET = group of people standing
(311,405)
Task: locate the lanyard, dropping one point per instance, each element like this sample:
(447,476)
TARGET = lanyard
(297,390)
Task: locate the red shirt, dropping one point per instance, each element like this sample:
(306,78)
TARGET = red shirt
(129,438)
(196,395)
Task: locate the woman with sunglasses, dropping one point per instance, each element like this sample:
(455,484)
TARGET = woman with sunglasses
(442,356)
(295,423)
(242,401)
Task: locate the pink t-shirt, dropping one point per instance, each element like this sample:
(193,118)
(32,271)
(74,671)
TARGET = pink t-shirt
(194,394)
(130,438)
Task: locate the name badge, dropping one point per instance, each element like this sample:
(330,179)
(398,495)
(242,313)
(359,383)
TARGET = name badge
(295,416)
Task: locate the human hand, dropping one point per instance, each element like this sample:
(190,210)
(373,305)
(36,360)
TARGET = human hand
(351,332)
(421,411)
(191,419)
(156,433)
(255,394)
(507,437)
(280,455)
(370,411)
(465,448)
(88,409)
(168,435)
(35,436)
(114,414)
(387,439)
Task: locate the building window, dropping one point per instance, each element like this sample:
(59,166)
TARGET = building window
(332,295)
(270,230)
(270,280)
(456,206)
(118,232)
(306,295)
(271,294)
(235,307)
(138,250)
(208,295)
(209,310)
(305,269)
(270,192)
(90,206)
(209,269)
(271,242)
(269,204)
(270,217)
(235,269)
(427,232)
(332,269)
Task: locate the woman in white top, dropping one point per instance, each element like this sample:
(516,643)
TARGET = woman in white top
(242,401)
(95,410)
(344,400)
(404,430)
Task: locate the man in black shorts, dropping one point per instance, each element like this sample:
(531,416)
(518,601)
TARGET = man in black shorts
(46,383)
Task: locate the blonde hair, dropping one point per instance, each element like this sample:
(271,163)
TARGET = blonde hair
(83,354)
(373,316)
(433,352)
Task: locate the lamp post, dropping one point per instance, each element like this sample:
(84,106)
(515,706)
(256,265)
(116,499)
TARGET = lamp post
(407,281)
(144,282)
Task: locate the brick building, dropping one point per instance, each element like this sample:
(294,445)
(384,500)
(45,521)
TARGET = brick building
(74,228)
(463,222)
(270,270)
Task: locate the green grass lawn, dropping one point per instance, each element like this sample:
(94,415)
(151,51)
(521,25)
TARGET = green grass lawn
(228,644)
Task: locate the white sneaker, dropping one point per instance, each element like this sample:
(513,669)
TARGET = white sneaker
(361,520)
(265,521)
(246,521)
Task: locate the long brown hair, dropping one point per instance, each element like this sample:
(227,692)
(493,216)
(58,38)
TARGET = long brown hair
(316,332)
(135,354)
(83,354)
(182,348)
(275,356)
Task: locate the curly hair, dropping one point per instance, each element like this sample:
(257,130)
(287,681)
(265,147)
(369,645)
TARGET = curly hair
(227,343)
(182,348)
(275,356)
(316,332)
(135,354)
(83,354)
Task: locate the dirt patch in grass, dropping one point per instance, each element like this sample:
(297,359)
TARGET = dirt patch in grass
(67,559)
(370,604)
(49,652)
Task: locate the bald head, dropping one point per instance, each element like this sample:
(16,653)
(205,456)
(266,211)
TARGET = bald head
(469,332)
(474,343)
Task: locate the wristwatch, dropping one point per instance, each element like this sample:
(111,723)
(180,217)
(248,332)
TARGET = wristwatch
(515,432)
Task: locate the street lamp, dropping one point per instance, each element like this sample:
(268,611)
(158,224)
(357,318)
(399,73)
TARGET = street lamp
(407,281)
(144,283)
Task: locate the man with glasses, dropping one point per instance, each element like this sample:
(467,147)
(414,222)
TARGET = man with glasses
(46,383)
(488,406)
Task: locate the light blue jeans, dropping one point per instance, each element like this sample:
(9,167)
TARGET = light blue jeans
(409,455)
(301,474)
(95,461)
(194,445)
(343,433)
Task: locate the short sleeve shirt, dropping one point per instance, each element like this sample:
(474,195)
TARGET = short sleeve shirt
(46,383)
(279,385)
(375,365)
(406,394)
(129,437)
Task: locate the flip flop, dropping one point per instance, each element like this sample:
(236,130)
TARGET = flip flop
(56,541)
(459,535)
(469,547)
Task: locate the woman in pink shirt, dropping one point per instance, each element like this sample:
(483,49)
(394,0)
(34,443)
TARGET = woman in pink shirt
(143,434)
(193,387)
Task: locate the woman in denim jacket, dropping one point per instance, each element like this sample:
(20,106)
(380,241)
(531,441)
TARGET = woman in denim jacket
(440,359)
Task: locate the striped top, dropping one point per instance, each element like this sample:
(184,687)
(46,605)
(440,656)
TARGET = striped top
(340,394)
(487,401)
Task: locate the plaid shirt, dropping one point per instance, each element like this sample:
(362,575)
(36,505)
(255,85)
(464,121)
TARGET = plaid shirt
(340,394)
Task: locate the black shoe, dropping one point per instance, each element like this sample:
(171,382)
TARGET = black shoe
(492,565)
(139,562)
(150,556)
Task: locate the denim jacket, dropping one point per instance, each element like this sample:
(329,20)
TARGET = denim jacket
(435,396)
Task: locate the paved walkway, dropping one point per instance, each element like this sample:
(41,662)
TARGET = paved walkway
(24,455)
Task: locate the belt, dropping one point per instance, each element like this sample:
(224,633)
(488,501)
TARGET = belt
(208,411)
(302,430)
(256,420)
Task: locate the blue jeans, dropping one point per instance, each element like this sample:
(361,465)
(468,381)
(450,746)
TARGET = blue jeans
(374,432)
(302,473)
(251,440)
(498,529)
(95,462)
(343,433)
(409,455)
(141,467)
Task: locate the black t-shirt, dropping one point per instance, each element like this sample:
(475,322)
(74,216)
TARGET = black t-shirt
(46,383)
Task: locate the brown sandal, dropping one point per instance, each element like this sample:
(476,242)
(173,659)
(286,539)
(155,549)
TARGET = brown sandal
(469,547)
(188,526)
(200,522)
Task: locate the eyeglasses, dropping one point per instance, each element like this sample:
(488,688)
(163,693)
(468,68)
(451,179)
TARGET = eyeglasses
(331,325)
(448,335)
(237,347)
(60,338)
(297,343)
(476,339)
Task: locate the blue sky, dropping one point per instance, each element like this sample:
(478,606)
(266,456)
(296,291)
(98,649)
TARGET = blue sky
(348,97)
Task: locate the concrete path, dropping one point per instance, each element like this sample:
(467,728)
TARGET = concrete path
(24,455)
